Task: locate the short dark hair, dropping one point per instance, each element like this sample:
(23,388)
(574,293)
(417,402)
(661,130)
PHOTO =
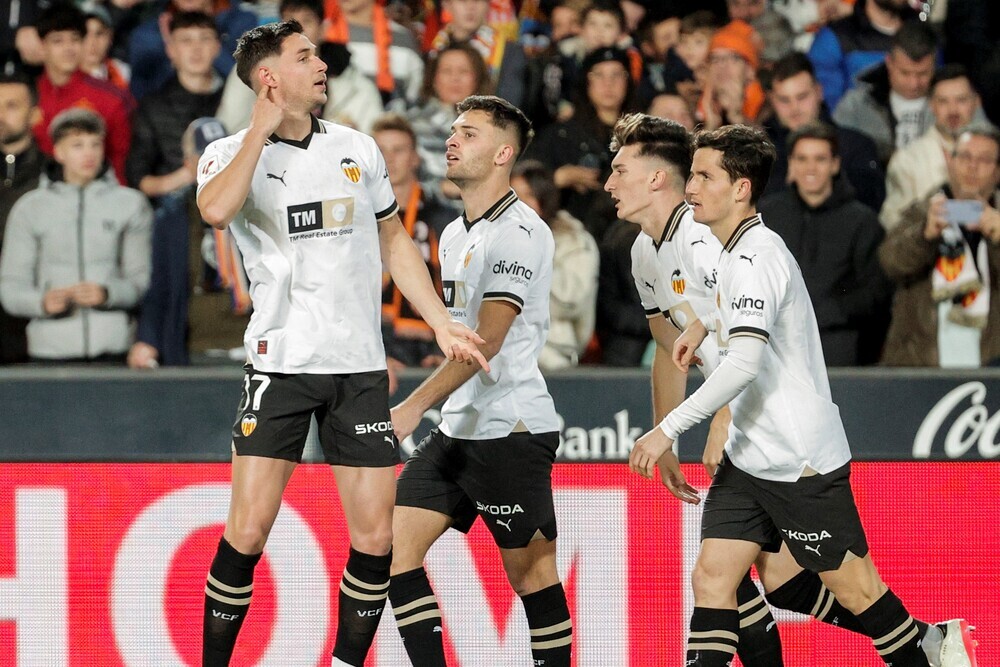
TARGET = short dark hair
(61,17)
(542,184)
(19,78)
(75,120)
(661,138)
(612,7)
(746,153)
(259,43)
(916,39)
(949,72)
(394,122)
(181,20)
(702,19)
(790,65)
(815,130)
(314,6)
(483,81)
(980,130)
(503,114)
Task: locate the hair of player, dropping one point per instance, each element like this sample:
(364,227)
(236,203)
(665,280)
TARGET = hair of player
(746,153)
(790,65)
(503,115)
(979,130)
(180,20)
(480,70)
(660,138)
(314,6)
(950,72)
(394,122)
(60,17)
(815,130)
(259,43)
(915,39)
(543,186)
(75,121)
(19,78)
(612,7)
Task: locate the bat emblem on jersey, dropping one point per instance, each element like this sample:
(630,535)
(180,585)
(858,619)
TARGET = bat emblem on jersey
(279,178)
(526,230)
(749,259)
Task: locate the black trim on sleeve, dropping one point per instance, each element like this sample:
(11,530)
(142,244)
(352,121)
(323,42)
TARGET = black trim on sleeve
(503,296)
(750,331)
(387,213)
(653,311)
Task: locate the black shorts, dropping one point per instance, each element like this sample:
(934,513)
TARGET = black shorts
(506,481)
(815,516)
(352,411)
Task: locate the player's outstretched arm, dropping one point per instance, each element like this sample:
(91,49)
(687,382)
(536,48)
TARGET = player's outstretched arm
(667,382)
(409,272)
(223,196)
(495,318)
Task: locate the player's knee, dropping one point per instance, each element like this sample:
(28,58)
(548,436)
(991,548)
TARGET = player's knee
(710,586)
(528,578)
(375,542)
(247,538)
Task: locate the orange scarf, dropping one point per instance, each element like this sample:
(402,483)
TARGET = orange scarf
(406,321)
(338,31)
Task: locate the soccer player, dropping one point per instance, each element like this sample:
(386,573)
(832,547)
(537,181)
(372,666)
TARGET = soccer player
(492,455)
(318,221)
(785,472)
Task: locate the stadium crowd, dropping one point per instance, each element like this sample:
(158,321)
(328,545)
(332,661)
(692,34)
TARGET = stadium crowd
(885,189)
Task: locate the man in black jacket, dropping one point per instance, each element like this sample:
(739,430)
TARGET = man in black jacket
(20,165)
(834,238)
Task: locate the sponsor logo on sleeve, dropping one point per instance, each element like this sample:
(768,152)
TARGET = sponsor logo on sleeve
(517,272)
(747,305)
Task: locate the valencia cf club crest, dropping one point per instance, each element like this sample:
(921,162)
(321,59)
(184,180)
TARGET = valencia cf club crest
(950,267)
(351,169)
(677,282)
(248,424)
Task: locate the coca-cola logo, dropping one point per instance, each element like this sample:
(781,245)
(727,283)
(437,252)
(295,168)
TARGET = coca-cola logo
(972,425)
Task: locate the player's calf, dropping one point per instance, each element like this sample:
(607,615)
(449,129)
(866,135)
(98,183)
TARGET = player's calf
(806,594)
(363,591)
(760,643)
(418,618)
(227,600)
(550,626)
(713,637)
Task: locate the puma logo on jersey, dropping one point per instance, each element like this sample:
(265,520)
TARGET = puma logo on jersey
(701,240)
(526,230)
(388,439)
(505,524)
(749,259)
(650,286)
(814,549)
(279,178)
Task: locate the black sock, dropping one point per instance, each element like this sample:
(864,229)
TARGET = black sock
(714,637)
(894,632)
(227,600)
(760,643)
(363,590)
(417,617)
(550,625)
(806,594)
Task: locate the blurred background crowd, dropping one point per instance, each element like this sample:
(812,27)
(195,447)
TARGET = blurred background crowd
(885,188)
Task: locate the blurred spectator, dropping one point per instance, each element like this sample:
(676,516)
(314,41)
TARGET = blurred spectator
(505,59)
(19,42)
(457,72)
(834,238)
(156,161)
(575,271)
(622,328)
(946,264)
(186,311)
(577,149)
(62,86)
(732,93)
(972,38)
(658,34)
(687,64)
(776,35)
(890,102)
(847,47)
(673,107)
(97,45)
(408,340)
(920,168)
(76,252)
(566,19)
(351,98)
(147,43)
(383,50)
(22,165)
(544,99)
(806,17)
(796,99)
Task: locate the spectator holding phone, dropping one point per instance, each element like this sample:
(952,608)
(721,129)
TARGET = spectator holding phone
(945,259)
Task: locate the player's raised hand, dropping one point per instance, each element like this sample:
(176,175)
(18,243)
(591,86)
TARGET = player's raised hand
(647,451)
(687,344)
(266,113)
(674,480)
(460,343)
(405,418)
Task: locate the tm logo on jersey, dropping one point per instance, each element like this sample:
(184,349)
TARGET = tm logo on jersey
(453,292)
(322,218)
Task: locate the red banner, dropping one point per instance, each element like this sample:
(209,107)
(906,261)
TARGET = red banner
(104,564)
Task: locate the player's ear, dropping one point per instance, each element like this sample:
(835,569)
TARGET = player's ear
(265,77)
(657,180)
(743,189)
(505,154)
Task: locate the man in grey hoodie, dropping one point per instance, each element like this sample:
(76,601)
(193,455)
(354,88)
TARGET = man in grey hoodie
(76,254)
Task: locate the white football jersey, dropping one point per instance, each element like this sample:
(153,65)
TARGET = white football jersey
(505,255)
(309,239)
(785,420)
(676,276)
